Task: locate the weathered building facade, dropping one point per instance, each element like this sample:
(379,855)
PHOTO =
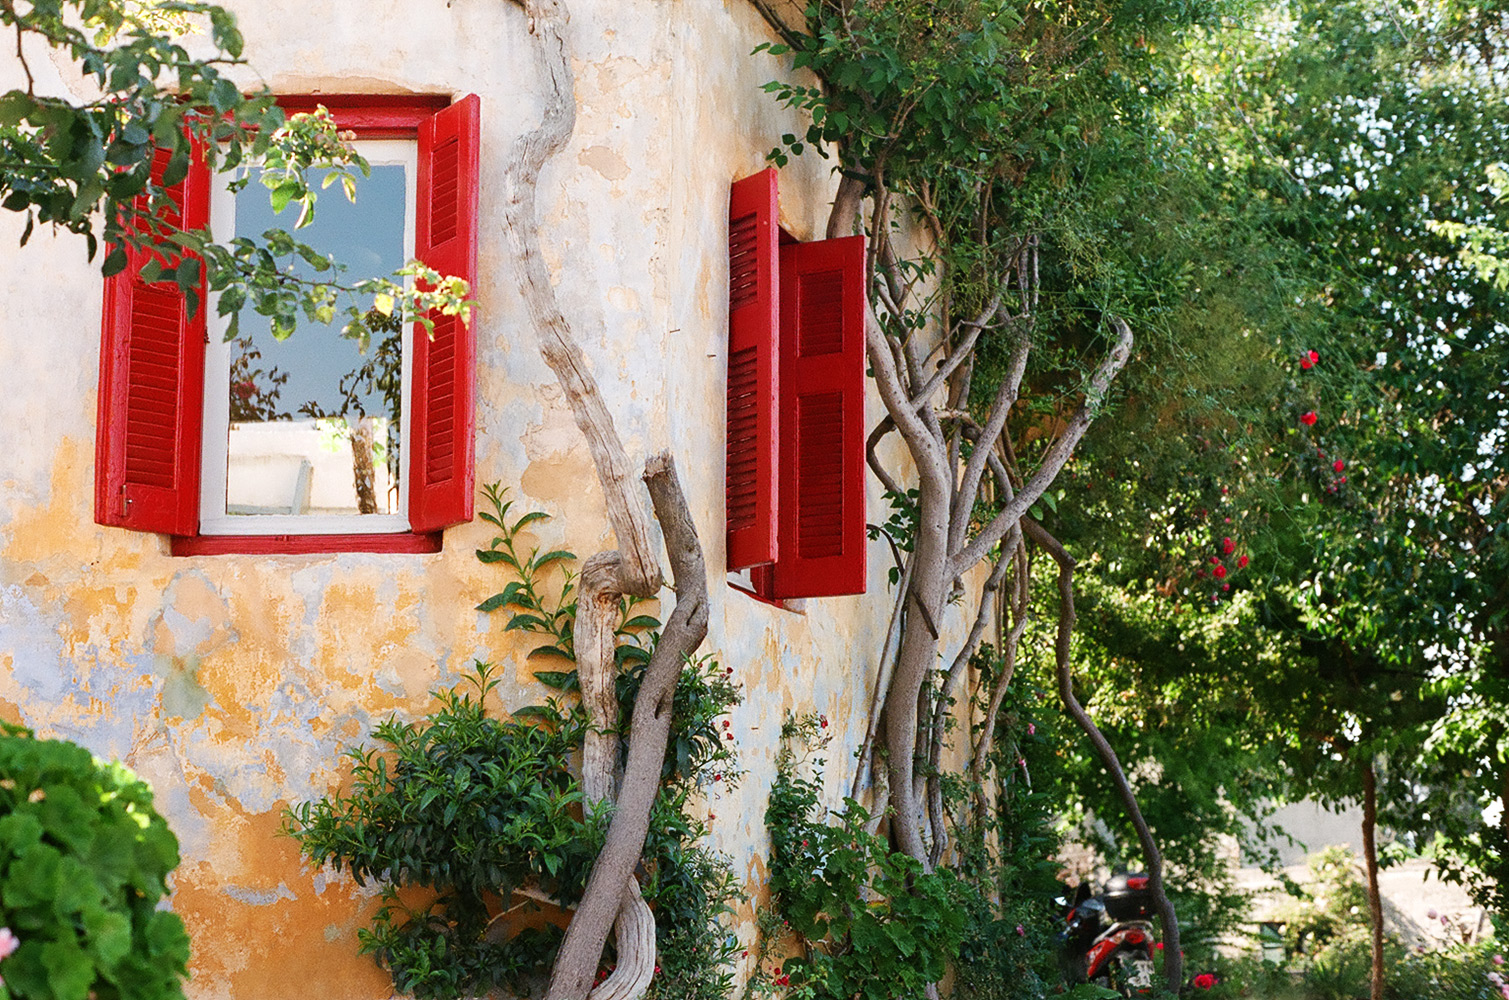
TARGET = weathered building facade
(233,681)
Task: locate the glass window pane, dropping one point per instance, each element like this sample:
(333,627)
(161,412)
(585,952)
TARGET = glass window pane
(315,422)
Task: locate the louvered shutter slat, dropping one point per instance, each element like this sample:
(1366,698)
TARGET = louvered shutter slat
(753,324)
(822,510)
(150,411)
(441,476)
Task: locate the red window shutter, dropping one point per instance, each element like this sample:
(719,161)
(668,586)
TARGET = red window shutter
(822,499)
(442,417)
(147,443)
(753,322)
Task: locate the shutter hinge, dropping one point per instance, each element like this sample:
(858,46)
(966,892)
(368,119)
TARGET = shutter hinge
(124,508)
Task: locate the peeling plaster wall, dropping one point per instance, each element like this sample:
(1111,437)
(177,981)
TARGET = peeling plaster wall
(232,683)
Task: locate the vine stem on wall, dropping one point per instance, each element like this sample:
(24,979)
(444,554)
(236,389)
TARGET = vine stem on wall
(612,893)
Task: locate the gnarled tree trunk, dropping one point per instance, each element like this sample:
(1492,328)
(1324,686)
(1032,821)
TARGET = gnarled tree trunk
(612,892)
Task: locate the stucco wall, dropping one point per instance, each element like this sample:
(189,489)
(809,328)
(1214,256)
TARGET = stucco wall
(232,683)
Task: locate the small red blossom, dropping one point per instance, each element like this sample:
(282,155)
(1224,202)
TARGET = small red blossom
(1215,560)
(246,389)
(1309,418)
(822,720)
(1021,931)
(1219,572)
(1204,981)
(726,723)
(1225,586)
(730,736)
(1228,546)
(1241,562)
(1342,479)
(1338,465)
(711,816)
(657,970)
(1157,945)
(717,777)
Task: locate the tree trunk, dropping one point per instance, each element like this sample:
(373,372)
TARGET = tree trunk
(649,730)
(1173,959)
(1370,863)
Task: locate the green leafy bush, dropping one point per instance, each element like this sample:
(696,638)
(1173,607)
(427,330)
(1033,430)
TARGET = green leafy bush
(869,922)
(478,810)
(473,808)
(84,860)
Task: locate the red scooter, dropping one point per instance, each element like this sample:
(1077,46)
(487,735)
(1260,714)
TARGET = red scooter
(1108,939)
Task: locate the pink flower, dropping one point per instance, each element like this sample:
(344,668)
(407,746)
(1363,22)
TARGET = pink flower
(1498,959)
(1241,562)
(1204,981)
(1021,931)
(1228,546)
(1032,731)
(1225,586)
(1338,465)
(1308,418)
(8,942)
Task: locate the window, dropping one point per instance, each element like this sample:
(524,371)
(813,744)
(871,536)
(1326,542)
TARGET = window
(305,445)
(794,485)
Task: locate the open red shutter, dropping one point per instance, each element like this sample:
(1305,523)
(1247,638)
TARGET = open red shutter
(753,322)
(442,421)
(822,500)
(147,443)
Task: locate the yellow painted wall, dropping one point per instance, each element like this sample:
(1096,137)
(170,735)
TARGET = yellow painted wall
(232,683)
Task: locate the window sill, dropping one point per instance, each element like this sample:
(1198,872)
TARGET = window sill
(408,542)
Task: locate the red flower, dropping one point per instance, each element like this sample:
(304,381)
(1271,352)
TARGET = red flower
(726,723)
(717,777)
(1225,586)
(1219,572)
(1309,360)
(1241,562)
(1205,981)
(1338,465)
(1157,945)
(1228,546)
(1309,418)
(822,720)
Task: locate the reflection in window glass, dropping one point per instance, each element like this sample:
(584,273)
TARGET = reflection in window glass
(314,422)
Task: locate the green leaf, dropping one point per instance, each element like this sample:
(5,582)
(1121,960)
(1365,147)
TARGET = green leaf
(560,680)
(283,194)
(115,260)
(530,518)
(70,973)
(14,107)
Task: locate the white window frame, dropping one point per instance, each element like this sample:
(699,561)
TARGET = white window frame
(213,519)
